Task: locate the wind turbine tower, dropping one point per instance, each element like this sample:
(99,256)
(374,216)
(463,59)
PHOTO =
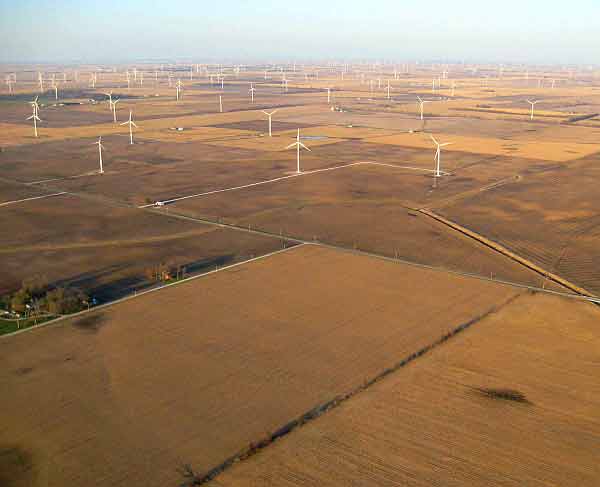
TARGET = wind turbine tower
(35,117)
(100,147)
(298,145)
(438,156)
(270,115)
(131,124)
(422,104)
(533,104)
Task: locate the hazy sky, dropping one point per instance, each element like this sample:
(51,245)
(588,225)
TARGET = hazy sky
(537,31)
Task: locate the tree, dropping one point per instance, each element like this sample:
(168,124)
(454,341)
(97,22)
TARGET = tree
(62,300)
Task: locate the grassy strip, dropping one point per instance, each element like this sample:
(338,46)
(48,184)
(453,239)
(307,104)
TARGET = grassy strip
(10,326)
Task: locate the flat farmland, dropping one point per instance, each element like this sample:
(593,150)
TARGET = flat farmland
(10,191)
(549,217)
(357,206)
(196,372)
(512,401)
(106,250)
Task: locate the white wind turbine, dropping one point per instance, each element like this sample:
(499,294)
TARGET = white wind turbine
(34,117)
(533,104)
(221,103)
(9,82)
(131,124)
(270,115)
(438,156)
(100,148)
(422,104)
(41,82)
(388,90)
(112,106)
(251,91)
(179,87)
(328,95)
(298,145)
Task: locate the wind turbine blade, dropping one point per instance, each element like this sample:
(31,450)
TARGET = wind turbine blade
(124,123)
(133,123)
(291,145)
(432,138)
(447,143)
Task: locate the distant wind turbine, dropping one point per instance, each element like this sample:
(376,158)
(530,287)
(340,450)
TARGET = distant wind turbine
(178,88)
(35,117)
(9,82)
(270,115)
(533,104)
(422,104)
(251,91)
(438,156)
(131,124)
(100,148)
(298,145)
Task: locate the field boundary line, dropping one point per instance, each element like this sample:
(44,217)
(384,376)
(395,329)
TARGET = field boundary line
(14,202)
(281,178)
(319,410)
(250,185)
(503,250)
(148,291)
(578,296)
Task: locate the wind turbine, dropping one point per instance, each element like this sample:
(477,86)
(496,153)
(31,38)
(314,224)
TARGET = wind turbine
(35,117)
(100,147)
(298,145)
(269,115)
(178,87)
(220,103)
(438,156)
(422,104)
(131,124)
(328,95)
(9,82)
(251,91)
(388,90)
(41,82)
(533,104)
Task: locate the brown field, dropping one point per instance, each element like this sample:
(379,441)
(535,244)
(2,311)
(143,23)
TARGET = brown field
(105,249)
(549,217)
(512,401)
(196,372)
(356,207)
(10,191)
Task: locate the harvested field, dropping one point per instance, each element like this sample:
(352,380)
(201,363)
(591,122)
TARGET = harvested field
(528,149)
(106,250)
(549,217)
(198,371)
(11,191)
(356,207)
(263,125)
(512,401)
